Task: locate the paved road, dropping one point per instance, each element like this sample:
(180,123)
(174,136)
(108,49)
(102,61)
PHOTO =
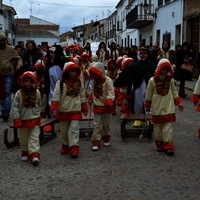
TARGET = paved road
(130,169)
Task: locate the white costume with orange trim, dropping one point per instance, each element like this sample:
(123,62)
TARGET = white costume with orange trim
(161,97)
(70,101)
(39,70)
(26,113)
(125,98)
(23,113)
(103,96)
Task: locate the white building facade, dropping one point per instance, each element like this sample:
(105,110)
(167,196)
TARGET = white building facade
(148,21)
(38,30)
(7,22)
(2,26)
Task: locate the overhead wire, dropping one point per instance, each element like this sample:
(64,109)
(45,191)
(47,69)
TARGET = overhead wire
(86,6)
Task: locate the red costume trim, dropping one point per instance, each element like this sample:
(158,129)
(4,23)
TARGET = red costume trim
(118,61)
(69,116)
(108,102)
(29,75)
(17,123)
(123,95)
(125,110)
(148,104)
(34,155)
(162,65)
(95,70)
(168,146)
(195,98)
(164,145)
(54,105)
(177,101)
(84,107)
(125,63)
(30,123)
(159,144)
(90,97)
(68,66)
(102,109)
(198,108)
(117,90)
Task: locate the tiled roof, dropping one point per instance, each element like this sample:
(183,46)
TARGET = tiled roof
(24,24)
(36,33)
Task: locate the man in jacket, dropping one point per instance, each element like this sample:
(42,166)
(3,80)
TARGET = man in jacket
(9,62)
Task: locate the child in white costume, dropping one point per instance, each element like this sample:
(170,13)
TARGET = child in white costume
(112,72)
(26,110)
(102,97)
(68,103)
(196,95)
(39,70)
(121,81)
(84,67)
(161,98)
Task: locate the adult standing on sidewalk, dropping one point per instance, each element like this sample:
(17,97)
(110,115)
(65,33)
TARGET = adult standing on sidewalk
(168,53)
(9,62)
(183,56)
(154,52)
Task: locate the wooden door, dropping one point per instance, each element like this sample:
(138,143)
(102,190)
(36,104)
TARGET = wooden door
(194,23)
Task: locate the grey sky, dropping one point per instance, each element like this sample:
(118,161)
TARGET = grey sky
(67,14)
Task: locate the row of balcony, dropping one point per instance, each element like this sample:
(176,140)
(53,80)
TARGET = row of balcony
(140,16)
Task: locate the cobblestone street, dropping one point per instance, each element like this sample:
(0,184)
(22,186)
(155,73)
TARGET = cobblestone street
(130,169)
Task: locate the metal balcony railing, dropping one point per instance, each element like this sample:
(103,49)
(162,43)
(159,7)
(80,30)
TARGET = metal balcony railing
(139,17)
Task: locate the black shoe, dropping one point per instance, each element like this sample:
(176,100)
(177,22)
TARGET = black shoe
(160,150)
(170,152)
(74,156)
(35,161)
(5,118)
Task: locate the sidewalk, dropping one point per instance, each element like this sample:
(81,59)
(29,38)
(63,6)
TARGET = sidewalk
(189,85)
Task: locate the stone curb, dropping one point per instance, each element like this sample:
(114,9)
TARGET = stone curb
(187,87)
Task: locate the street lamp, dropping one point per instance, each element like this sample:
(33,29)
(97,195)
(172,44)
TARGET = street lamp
(145,7)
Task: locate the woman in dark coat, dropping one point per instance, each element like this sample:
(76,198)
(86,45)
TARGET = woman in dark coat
(55,64)
(30,56)
(139,75)
(183,56)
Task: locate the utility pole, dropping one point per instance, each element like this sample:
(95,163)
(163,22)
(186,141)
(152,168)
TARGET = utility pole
(109,12)
(83,43)
(39,8)
(31,2)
